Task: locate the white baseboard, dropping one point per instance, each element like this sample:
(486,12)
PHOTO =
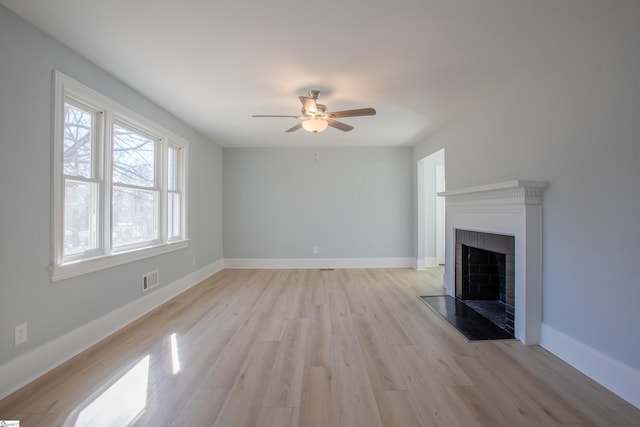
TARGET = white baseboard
(431,262)
(304,263)
(621,379)
(22,370)
(428,262)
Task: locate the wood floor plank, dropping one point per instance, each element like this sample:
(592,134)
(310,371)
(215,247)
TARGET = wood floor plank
(430,332)
(295,416)
(513,407)
(244,401)
(397,408)
(302,304)
(356,402)
(378,360)
(202,408)
(319,400)
(181,373)
(274,417)
(429,395)
(576,388)
(319,342)
(527,386)
(341,321)
(269,298)
(389,328)
(223,373)
(355,293)
(285,383)
(320,294)
(476,408)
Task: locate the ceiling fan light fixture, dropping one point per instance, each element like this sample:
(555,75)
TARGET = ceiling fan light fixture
(315,125)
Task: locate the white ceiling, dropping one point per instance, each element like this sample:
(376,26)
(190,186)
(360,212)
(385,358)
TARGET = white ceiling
(215,63)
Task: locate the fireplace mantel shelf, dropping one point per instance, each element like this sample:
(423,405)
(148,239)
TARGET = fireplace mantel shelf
(500,187)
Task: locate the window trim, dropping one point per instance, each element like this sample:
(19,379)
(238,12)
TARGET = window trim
(111,112)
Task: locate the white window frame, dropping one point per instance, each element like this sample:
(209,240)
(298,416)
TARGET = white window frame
(110,113)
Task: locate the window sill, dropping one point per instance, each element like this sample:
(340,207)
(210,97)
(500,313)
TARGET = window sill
(73,269)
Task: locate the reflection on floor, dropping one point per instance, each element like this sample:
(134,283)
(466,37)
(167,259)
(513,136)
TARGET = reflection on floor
(469,322)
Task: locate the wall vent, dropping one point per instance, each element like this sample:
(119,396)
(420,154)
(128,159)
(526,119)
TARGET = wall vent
(150,280)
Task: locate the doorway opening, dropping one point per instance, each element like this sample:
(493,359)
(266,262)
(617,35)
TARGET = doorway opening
(431,211)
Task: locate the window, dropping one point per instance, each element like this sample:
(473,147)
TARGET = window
(81,180)
(119,184)
(135,190)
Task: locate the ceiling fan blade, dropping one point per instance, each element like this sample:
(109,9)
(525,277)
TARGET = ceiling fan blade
(354,113)
(295,128)
(270,115)
(339,125)
(308,104)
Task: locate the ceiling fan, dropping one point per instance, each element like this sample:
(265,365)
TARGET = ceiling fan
(315,117)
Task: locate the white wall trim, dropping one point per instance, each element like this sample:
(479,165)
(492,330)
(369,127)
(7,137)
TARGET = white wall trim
(66,271)
(428,262)
(22,370)
(431,262)
(621,379)
(319,263)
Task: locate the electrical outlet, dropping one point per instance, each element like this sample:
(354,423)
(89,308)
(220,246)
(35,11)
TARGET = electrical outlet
(315,250)
(194,261)
(20,334)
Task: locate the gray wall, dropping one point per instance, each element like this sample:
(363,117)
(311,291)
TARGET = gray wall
(349,202)
(571,120)
(27,58)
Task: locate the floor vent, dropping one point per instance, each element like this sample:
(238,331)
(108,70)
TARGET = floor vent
(326,269)
(149,280)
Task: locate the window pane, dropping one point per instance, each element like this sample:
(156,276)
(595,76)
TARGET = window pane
(173,216)
(80,217)
(78,125)
(133,158)
(134,216)
(172,163)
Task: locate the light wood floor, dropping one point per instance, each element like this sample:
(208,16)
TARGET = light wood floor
(311,348)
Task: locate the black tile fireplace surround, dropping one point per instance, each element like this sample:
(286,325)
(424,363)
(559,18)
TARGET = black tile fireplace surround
(485,275)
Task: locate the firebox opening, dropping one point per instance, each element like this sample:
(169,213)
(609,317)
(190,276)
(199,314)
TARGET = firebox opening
(483,283)
(484,275)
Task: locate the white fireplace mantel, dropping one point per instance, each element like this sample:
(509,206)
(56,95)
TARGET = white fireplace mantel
(511,208)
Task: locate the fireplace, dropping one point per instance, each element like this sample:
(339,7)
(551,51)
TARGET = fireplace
(484,275)
(514,209)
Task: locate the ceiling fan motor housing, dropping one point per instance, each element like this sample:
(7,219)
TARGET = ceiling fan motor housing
(321,111)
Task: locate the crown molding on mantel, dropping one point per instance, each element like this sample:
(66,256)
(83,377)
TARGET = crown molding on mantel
(519,191)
